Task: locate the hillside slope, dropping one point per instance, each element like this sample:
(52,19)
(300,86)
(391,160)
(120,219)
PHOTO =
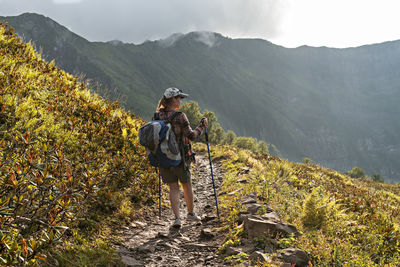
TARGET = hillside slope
(71,166)
(68,160)
(341,221)
(335,106)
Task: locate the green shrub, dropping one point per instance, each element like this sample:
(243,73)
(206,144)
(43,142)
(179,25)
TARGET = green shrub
(314,211)
(229,137)
(245,142)
(262,147)
(192,111)
(356,172)
(377,178)
(64,153)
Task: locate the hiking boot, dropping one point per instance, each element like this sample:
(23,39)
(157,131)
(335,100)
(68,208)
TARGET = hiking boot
(177,223)
(193,217)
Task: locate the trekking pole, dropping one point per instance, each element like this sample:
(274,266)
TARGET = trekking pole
(159,192)
(212,175)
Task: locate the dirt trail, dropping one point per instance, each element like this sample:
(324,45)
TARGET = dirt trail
(152,242)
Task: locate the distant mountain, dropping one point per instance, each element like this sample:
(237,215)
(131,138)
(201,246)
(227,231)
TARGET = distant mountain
(335,106)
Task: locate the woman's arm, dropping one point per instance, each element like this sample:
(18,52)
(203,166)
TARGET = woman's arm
(187,130)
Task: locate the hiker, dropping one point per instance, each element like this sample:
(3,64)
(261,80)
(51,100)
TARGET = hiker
(169,103)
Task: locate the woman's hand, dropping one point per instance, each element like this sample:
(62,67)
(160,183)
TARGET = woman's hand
(204,122)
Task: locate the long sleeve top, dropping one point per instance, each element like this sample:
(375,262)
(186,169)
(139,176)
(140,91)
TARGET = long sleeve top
(181,126)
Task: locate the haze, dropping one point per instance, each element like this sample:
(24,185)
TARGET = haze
(289,23)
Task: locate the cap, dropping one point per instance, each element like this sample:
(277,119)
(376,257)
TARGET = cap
(173,92)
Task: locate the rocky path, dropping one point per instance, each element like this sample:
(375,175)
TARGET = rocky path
(152,242)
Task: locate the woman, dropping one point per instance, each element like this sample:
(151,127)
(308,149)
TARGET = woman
(169,103)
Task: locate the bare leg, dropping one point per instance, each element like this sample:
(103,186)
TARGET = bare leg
(174,198)
(188,195)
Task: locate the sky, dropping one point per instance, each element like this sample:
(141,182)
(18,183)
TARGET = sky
(290,23)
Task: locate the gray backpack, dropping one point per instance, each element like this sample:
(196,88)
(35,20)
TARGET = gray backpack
(159,139)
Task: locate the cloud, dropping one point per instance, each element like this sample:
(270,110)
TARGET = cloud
(207,38)
(170,41)
(139,20)
(236,18)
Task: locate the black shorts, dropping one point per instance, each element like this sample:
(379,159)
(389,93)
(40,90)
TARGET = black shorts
(175,174)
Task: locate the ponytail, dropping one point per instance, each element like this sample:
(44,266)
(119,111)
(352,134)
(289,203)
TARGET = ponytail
(164,103)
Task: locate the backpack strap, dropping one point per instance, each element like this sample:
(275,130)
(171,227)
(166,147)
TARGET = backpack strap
(156,116)
(173,115)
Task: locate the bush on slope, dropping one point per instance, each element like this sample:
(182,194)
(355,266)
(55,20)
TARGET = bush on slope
(64,154)
(344,221)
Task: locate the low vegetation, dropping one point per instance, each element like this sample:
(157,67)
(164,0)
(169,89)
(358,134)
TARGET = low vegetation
(343,221)
(71,170)
(68,161)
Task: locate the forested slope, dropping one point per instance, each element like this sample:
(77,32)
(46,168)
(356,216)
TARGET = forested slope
(335,106)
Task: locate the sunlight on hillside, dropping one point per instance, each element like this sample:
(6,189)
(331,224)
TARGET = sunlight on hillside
(343,221)
(69,159)
(72,170)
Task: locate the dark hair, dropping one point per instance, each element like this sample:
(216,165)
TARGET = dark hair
(164,103)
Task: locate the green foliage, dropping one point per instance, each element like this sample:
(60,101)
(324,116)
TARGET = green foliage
(229,137)
(238,258)
(287,242)
(212,119)
(343,221)
(245,142)
(84,253)
(64,153)
(376,177)
(356,172)
(314,210)
(307,161)
(216,133)
(192,111)
(262,147)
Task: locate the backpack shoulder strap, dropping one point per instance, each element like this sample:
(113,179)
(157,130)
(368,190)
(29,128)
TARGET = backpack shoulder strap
(156,116)
(173,115)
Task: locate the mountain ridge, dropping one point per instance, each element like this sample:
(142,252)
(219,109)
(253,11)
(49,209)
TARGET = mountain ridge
(333,105)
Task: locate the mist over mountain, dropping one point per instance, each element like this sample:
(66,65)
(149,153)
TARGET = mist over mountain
(335,106)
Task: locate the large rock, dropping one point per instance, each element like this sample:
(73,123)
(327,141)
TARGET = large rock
(259,257)
(253,208)
(250,198)
(273,216)
(295,256)
(257,226)
(229,251)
